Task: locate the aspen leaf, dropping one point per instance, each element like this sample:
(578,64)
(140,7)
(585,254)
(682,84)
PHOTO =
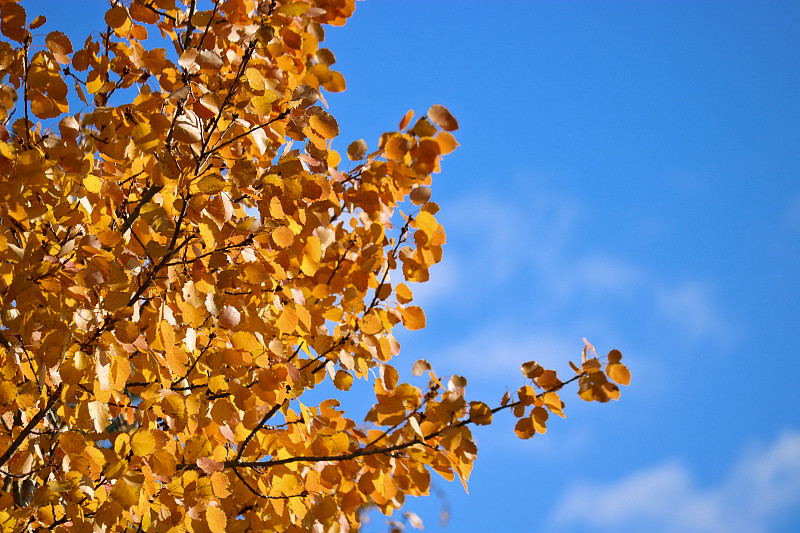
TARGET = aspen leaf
(324,125)
(219,484)
(397,146)
(614,356)
(548,380)
(262,104)
(343,380)
(294,9)
(370,324)
(211,183)
(480,413)
(619,373)
(440,115)
(59,45)
(208,465)
(325,57)
(413,317)
(99,413)
(229,317)
(216,520)
(420,367)
(283,237)
(143,443)
(244,340)
(38,22)
(403,293)
(447,142)
(188,128)
(336,83)
(532,369)
(406,120)
(420,195)
(414,423)
(357,150)
(524,428)
(287,320)
(423,128)
(209,61)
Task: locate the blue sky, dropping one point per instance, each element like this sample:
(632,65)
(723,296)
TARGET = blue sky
(628,172)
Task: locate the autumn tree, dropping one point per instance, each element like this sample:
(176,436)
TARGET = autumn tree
(184,256)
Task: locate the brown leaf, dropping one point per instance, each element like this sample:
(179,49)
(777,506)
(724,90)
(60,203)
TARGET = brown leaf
(440,116)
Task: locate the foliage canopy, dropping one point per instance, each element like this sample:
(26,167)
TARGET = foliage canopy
(184,255)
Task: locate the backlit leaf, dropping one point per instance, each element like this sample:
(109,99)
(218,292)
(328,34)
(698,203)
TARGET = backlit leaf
(413,317)
(441,116)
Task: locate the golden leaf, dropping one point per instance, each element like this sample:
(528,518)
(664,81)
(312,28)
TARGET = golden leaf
(440,115)
(283,237)
(287,321)
(413,317)
(143,443)
(370,324)
(619,373)
(216,520)
(324,125)
(343,380)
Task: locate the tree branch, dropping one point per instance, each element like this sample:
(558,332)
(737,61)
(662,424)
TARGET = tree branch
(51,401)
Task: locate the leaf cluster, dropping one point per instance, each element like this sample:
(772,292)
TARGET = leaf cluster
(184,256)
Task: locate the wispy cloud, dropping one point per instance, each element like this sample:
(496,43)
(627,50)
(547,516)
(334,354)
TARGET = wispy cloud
(692,306)
(760,489)
(505,250)
(492,353)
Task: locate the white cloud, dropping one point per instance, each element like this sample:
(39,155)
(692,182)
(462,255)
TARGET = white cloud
(692,306)
(491,353)
(761,487)
(532,251)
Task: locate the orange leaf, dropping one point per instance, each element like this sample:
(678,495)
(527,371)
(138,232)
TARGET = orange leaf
(440,115)
(619,373)
(216,520)
(413,317)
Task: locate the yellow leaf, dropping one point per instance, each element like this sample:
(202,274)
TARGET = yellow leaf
(397,146)
(211,184)
(208,465)
(312,253)
(324,125)
(219,485)
(295,9)
(287,321)
(413,317)
(92,184)
(343,380)
(524,428)
(480,413)
(216,520)
(370,324)
(282,237)
(262,105)
(244,340)
(406,120)
(414,423)
(619,373)
(143,443)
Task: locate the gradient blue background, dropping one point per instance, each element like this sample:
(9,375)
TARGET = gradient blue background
(628,172)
